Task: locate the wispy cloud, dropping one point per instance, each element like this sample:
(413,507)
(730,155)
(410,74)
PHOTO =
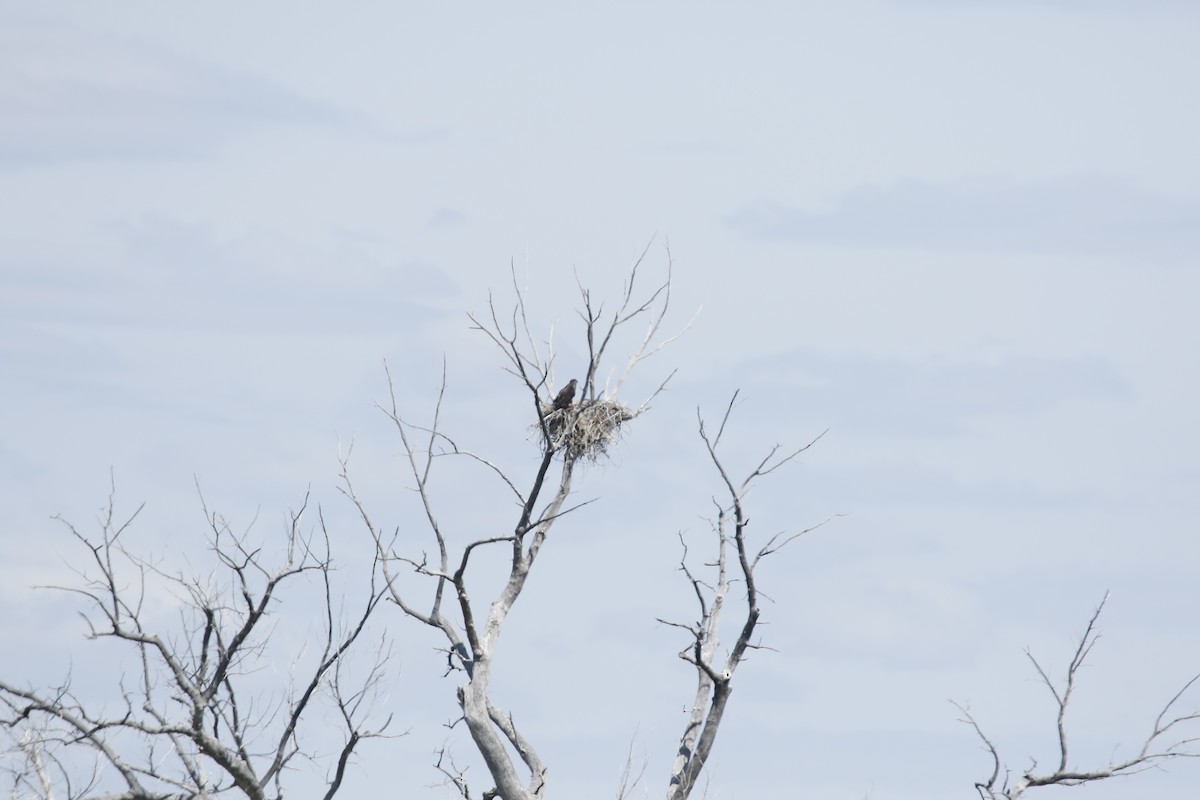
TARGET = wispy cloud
(1141,7)
(1080,214)
(162,273)
(67,94)
(892,396)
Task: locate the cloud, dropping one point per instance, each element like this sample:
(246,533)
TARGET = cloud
(1079,214)
(892,396)
(67,94)
(161,273)
(1140,7)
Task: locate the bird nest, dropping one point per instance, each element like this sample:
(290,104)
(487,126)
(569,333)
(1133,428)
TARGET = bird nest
(584,430)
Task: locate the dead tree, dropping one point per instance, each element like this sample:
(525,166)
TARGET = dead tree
(567,433)
(1165,740)
(735,563)
(191,719)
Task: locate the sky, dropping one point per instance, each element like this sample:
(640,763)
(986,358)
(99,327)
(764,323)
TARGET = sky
(961,235)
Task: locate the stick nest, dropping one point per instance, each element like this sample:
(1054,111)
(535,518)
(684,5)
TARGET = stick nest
(586,429)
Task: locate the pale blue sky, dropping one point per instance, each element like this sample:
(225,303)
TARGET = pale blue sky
(964,236)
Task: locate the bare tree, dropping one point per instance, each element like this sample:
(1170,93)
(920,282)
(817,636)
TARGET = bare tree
(1163,742)
(193,721)
(714,677)
(567,433)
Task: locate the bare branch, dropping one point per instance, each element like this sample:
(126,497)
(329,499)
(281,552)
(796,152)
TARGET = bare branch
(628,780)
(1154,750)
(968,719)
(713,680)
(192,712)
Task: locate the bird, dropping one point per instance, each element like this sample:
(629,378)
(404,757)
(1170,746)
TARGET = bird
(564,398)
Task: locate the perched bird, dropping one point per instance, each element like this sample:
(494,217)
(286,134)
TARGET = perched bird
(564,398)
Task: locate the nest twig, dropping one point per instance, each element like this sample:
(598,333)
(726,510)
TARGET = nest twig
(586,429)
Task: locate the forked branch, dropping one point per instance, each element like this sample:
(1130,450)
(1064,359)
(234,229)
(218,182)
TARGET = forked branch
(567,431)
(1162,743)
(714,676)
(191,722)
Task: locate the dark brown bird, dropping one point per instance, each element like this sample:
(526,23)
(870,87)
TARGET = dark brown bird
(564,398)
